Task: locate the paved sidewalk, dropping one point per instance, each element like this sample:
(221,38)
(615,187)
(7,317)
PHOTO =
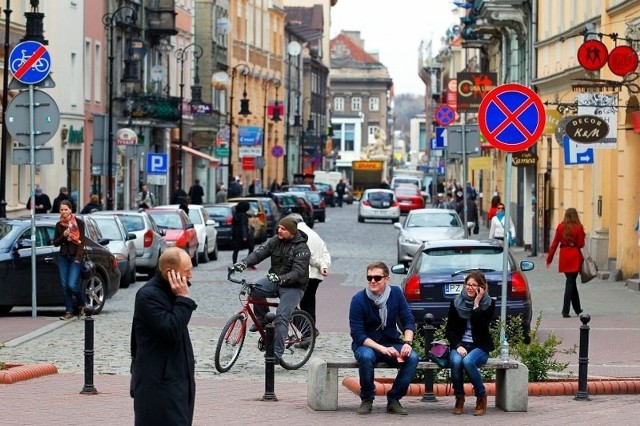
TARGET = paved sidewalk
(55,400)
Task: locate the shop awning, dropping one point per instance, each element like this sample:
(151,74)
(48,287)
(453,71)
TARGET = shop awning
(213,161)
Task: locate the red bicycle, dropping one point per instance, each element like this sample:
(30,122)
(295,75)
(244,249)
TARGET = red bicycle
(298,345)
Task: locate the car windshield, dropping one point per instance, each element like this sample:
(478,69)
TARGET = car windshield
(313,196)
(433,220)
(132,223)
(453,259)
(167,220)
(109,228)
(381,196)
(218,211)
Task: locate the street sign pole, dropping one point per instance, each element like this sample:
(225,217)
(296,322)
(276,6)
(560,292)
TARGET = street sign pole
(464,175)
(504,350)
(32,159)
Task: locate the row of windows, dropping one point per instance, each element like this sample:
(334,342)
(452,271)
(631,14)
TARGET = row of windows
(356,104)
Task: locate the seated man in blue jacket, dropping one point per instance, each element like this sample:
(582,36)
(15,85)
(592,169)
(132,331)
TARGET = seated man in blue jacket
(372,320)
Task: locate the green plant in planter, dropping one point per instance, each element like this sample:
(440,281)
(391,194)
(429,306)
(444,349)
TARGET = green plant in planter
(539,356)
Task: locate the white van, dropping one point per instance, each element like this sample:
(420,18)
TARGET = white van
(332,178)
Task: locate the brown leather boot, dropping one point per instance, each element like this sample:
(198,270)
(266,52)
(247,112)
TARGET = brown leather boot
(459,408)
(481,406)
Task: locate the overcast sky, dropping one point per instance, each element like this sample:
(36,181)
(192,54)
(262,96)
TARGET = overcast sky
(395,28)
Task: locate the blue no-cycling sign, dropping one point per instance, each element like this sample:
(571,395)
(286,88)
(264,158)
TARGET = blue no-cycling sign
(511,117)
(30,62)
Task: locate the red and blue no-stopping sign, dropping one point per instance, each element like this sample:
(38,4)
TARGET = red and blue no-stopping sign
(444,115)
(511,117)
(30,62)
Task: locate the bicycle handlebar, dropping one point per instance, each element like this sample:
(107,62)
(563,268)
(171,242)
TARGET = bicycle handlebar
(243,281)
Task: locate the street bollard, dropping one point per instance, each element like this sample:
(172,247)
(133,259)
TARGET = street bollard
(429,330)
(88,388)
(583,359)
(269,361)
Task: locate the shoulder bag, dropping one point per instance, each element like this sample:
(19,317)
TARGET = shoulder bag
(439,353)
(589,269)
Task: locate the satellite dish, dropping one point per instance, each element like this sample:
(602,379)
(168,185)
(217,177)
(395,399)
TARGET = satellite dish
(294,48)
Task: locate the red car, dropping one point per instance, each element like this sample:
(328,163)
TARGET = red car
(178,230)
(409,197)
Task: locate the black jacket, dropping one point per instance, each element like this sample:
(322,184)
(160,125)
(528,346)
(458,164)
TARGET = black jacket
(163,366)
(480,322)
(56,203)
(196,192)
(289,259)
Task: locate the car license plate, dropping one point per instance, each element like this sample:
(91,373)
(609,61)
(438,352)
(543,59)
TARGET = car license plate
(453,288)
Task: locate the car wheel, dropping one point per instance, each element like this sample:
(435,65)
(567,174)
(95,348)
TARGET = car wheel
(125,278)
(95,292)
(194,259)
(214,254)
(311,223)
(321,219)
(133,274)
(204,256)
(360,219)
(395,220)
(5,309)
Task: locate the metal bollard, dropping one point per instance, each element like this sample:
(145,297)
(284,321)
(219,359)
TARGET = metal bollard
(583,359)
(429,330)
(269,361)
(88,388)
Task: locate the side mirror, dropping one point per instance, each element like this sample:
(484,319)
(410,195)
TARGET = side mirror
(399,269)
(22,243)
(527,265)
(131,236)
(397,225)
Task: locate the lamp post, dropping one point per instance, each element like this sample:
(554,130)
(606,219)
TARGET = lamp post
(265,85)
(5,98)
(108,21)
(296,123)
(244,111)
(196,94)
(310,128)
(293,51)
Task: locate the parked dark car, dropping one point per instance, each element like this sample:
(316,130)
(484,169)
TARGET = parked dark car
(15,264)
(327,193)
(436,276)
(317,204)
(289,203)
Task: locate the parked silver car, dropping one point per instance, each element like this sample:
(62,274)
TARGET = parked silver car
(426,225)
(149,242)
(121,245)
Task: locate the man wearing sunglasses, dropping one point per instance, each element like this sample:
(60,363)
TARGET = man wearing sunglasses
(376,338)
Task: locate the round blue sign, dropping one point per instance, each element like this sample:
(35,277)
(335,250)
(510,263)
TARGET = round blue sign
(30,62)
(445,115)
(277,151)
(511,117)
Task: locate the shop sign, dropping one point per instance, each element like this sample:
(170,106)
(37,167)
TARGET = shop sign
(586,129)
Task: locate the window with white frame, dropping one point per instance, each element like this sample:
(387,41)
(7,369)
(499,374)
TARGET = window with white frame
(356,104)
(349,136)
(338,103)
(374,104)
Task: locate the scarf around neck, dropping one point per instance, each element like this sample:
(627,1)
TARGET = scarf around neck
(71,224)
(381,304)
(464,304)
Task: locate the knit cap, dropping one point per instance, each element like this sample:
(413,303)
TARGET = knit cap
(288,224)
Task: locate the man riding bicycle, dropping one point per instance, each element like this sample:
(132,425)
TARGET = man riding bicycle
(288,277)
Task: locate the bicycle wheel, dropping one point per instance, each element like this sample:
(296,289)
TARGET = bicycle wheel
(300,341)
(230,343)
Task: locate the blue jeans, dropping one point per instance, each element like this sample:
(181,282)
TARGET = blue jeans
(367,359)
(69,271)
(470,363)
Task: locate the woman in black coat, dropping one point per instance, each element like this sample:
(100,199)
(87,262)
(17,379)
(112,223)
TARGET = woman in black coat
(241,233)
(470,315)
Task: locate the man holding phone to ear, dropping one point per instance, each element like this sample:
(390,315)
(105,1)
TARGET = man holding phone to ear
(163,365)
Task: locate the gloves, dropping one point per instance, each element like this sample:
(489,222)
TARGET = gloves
(274,278)
(239,266)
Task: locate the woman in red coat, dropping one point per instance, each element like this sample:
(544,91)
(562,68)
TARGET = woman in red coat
(570,237)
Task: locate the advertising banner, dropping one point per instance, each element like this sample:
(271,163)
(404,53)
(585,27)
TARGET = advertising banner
(472,87)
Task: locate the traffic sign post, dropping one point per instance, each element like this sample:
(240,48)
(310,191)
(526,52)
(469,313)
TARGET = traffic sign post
(512,118)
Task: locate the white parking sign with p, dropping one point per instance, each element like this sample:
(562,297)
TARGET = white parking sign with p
(157,164)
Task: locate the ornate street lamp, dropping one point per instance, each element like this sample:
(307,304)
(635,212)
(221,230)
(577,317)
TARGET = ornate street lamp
(109,21)
(244,111)
(196,94)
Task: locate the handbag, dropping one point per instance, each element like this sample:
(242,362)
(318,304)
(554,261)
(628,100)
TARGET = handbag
(439,353)
(88,267)
(589,269)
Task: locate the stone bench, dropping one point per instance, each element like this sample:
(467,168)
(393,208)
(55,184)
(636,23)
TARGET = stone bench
(512,382)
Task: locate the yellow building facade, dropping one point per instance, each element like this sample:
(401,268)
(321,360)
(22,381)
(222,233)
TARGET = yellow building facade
(605,193)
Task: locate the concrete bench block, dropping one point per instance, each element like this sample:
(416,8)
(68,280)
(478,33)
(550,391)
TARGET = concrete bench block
(322,386)
(512,388)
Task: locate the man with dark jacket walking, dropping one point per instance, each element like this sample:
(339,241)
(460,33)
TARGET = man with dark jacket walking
(196,192)
(288,276)
(163,384)
(63,195)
